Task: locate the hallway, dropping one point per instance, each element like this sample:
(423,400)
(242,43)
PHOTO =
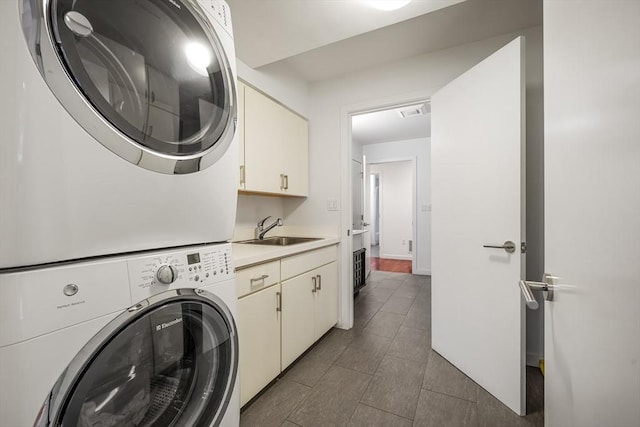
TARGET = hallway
(383,372)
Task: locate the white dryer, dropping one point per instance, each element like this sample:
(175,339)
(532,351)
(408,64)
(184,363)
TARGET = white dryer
(148,341)
(118,127)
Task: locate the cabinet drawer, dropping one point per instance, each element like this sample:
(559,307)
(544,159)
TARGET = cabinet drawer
(298,264)
(258,277)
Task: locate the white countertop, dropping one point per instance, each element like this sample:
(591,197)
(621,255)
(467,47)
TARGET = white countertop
(245,254)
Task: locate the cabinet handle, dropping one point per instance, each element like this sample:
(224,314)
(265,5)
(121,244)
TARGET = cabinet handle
(257,279)
(319,282)
(286,182)
(279,301)
(282,181)
(242,177)
(314,281)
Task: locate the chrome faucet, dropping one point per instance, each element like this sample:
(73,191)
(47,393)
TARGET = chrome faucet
(261,230)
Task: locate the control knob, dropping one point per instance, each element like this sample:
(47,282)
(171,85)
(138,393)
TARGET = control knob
(167,274)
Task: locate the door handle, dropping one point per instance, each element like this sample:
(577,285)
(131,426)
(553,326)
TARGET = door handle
(547,285)
(258,279)
(508,246)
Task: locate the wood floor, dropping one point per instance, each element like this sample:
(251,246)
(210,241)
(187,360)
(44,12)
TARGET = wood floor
(391,265)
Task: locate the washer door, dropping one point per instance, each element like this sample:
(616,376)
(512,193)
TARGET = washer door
(168,361)
(149,79)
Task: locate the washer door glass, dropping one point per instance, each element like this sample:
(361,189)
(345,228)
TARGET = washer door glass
(154,69)
(174,365)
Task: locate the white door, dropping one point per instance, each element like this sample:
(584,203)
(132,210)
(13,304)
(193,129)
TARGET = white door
(366,216)
(592,212)
(477,178)
(356,195)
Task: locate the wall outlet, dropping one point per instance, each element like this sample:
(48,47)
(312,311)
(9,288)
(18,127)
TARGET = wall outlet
(332,204)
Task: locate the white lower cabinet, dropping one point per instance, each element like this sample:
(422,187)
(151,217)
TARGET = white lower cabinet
(309,309)
(298,330)
(278,322)
(259,336)
(326,299)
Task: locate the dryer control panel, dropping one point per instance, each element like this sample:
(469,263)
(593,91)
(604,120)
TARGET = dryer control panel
(191,268)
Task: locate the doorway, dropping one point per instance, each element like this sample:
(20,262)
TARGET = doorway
(391,214)
(390,149)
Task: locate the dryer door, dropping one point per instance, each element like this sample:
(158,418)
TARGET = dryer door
(149,79)
(169,361)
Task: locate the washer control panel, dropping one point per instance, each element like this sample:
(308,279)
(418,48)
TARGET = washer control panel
(190,268)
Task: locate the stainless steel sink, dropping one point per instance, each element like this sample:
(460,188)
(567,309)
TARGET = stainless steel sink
(280,241)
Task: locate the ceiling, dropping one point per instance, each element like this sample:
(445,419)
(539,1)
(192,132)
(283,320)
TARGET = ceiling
(267,31)
(388,126)
(319,39)
(322,39)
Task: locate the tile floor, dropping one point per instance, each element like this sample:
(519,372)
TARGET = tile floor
(384,373)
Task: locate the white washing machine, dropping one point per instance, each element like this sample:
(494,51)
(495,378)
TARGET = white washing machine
(118,127)
(148,340)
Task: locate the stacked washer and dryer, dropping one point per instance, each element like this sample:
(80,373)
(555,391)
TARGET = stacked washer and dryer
(118,171)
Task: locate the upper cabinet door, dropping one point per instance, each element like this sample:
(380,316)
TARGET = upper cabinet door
(276,147)
(263,143)
(295,154)
(240,131)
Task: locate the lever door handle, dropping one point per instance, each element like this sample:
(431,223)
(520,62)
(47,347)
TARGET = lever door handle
(547,286)
(508,246)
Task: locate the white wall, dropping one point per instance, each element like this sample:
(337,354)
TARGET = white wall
(406,80)
(396,208)
(251,209)
(280,82)
(420,150)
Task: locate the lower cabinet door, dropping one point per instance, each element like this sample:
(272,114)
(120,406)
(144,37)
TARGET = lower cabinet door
(298,330)
(326,303)
(259,337)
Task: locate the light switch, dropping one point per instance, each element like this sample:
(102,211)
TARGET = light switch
(332,204)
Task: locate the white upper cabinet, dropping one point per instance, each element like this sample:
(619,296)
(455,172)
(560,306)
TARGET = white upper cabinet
(275,148)
(240,131)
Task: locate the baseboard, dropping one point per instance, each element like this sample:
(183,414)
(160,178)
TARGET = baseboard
(422,272)
(533,359)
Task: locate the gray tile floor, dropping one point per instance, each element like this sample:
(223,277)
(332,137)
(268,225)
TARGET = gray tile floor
(383,372)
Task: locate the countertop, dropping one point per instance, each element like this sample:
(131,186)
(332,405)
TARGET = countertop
(245,254)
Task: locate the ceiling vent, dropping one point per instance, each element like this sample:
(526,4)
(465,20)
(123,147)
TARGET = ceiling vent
(412,110)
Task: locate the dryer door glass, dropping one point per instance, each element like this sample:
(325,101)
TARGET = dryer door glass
(154,69)
(174,365)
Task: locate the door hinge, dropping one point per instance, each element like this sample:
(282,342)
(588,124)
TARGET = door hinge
(523,247)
